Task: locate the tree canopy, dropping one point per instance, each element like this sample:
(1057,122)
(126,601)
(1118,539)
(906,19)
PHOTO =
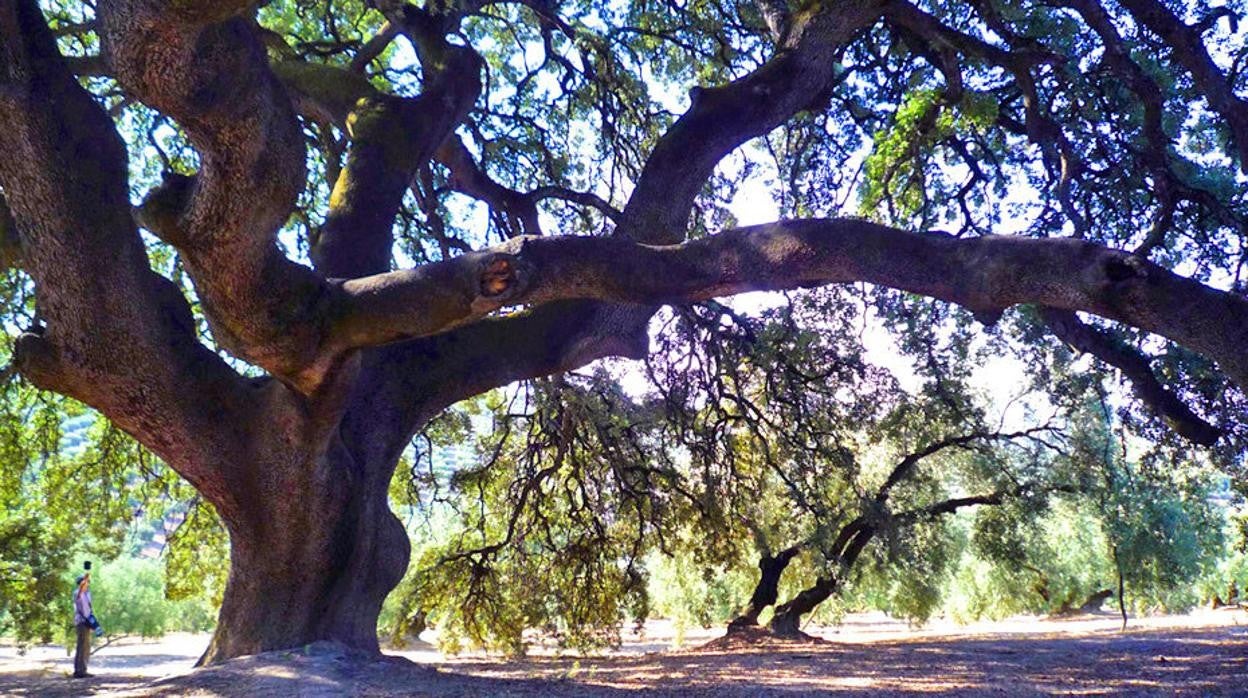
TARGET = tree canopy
(270,242)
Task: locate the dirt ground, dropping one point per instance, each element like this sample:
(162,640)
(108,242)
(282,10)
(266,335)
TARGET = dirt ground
(1204,653)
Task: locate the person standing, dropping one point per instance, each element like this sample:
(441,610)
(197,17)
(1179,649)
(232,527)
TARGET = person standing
(84,620)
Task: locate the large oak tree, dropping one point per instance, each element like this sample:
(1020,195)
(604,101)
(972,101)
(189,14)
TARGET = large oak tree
(1123,123)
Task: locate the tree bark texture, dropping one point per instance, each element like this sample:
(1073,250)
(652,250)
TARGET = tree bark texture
(356,355)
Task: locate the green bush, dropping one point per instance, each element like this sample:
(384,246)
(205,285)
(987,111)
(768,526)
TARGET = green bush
(129,599)
(34,594)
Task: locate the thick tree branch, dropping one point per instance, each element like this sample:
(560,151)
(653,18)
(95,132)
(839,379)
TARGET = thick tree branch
(560,336)
(770,568)
(262,306)
(722,118)
(371,50)
(214,79)
(331,94)
(986,275)
(391,138)
(466,177)
(1135,367)
(117,337)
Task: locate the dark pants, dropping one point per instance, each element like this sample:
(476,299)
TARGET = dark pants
(83,651)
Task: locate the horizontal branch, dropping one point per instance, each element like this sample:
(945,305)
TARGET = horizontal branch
(562,336)
(950,506)
(986,275)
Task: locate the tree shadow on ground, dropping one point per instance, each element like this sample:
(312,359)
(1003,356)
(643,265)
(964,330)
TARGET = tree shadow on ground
(1169,662)
(1200,662)
(325,669)
(54,683)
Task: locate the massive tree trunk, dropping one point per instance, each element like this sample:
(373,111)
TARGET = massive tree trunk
(298,463)
(323,579)
(314,557)
(316,565)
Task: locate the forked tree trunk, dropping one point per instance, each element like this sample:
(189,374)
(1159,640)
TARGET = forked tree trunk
(787,622)
(771,569)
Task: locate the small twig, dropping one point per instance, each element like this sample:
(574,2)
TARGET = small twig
(111,640)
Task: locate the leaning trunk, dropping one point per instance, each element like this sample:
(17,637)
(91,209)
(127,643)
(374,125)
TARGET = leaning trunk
(788,619)
(787,622)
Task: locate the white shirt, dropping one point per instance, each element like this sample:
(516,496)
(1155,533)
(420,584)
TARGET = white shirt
(82,607)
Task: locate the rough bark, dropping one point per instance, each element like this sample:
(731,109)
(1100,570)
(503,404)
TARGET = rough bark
(986,274)
(316,562)
(116,336)
(360,356)
(320,549)
(209,72)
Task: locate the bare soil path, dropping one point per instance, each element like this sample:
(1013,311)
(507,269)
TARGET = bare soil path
(1205,653)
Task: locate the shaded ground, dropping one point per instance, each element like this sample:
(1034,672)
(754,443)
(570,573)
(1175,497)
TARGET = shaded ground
(1203,654)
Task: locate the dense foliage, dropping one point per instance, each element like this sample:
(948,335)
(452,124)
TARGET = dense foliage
(309,141)
(768,435)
